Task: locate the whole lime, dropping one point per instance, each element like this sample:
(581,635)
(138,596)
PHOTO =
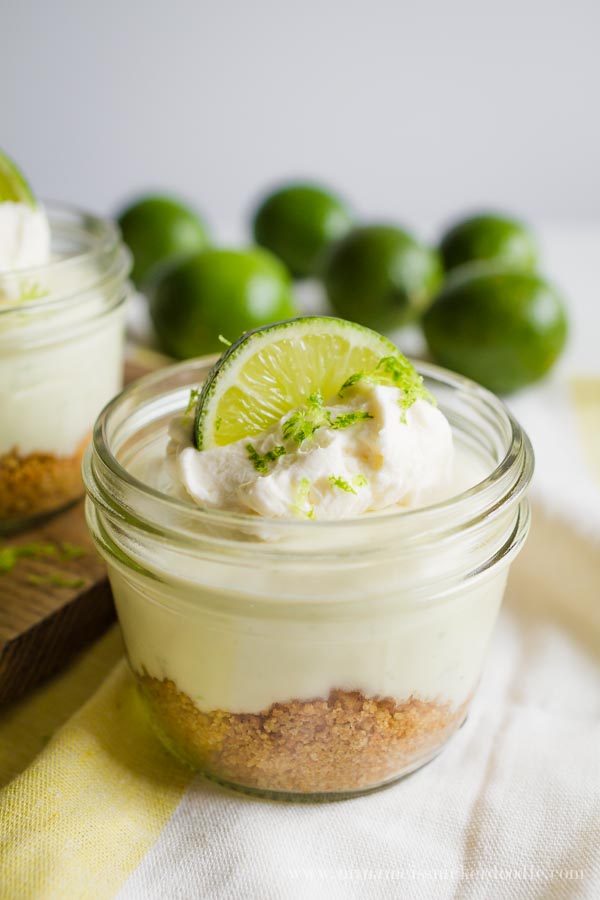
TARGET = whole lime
(381,276)
(500,327)
(158,229)
(298,222)
(218,292)
(489,237)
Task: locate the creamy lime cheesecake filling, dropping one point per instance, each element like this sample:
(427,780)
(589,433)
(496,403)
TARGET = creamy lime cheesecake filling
(24,236)
(355,454)
(385,647)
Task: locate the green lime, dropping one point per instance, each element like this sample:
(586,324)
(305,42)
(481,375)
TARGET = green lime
(381,276)
(158,229)
(273,370)
(489,237)
(218,292)
(500,327)
(297,223)
(13,186)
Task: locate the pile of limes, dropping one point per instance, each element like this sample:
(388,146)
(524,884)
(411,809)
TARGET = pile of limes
(484,309)
(495,318)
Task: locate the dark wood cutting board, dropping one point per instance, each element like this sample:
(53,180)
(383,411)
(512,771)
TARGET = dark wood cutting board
(52,606)
(43,624)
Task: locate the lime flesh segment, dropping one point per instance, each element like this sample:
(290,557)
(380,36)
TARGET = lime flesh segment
(13,186)
(273,370)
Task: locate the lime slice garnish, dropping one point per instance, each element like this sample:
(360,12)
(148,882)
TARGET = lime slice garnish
(271,371)
(13,185)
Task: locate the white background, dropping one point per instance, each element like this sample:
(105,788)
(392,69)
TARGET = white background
(416,110)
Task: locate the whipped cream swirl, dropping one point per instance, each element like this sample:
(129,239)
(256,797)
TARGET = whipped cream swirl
(24,236)
(331,461)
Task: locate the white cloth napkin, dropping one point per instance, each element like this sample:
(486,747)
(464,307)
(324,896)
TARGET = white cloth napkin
(509,810)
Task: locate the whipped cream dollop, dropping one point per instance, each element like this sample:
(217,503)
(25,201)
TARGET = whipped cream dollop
(365,454)
(24,236)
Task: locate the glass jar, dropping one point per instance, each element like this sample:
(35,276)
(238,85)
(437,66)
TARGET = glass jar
(295,658)
(61,360)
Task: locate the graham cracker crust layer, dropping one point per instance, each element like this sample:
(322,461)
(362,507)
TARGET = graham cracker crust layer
(38,483)
(347,742)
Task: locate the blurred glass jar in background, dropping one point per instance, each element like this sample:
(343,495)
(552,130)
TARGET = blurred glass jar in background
(61,360)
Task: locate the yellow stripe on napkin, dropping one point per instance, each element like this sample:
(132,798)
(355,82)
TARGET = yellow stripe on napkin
(81,818)
(27,725)
(585,393)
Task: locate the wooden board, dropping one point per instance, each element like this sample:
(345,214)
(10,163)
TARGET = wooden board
(43,624)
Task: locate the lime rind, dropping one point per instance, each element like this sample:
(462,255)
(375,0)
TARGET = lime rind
(270,371)
(13,184)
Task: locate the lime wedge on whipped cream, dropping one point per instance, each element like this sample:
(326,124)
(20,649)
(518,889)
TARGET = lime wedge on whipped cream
(13,185)
(271,371)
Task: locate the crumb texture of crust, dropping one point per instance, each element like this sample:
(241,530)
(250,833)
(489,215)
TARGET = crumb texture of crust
(347,742)
(38,483)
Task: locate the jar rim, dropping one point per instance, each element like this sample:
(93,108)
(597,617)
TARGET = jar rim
(149,508)
(105,240)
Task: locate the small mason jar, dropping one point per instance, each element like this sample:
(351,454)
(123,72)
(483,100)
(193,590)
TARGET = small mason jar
(294,658)
(61,360)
